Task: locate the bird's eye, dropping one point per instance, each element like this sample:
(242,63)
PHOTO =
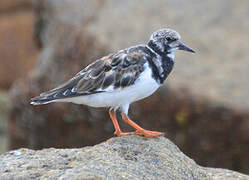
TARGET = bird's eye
(156,36)
(168,39)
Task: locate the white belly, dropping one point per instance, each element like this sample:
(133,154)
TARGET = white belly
(143,87)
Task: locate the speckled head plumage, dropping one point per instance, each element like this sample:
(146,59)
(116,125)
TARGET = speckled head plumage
(165,35)
(167,41)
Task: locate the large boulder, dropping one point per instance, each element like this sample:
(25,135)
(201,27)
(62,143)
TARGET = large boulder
(130,157)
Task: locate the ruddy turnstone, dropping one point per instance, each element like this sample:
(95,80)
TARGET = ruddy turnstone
(121,78)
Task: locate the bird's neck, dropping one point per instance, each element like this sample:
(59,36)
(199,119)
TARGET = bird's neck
(156,47)
(162,64)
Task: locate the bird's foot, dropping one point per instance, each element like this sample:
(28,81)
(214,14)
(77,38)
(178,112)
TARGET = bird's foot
(120,133)
(146,133)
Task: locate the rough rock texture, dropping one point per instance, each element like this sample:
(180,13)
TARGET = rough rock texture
(131,157)
(212,134)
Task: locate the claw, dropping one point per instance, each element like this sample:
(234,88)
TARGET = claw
(140,130)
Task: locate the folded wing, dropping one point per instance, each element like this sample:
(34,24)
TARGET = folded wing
(109,73)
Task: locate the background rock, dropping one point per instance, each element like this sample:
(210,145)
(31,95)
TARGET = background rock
(17,48)
(7,6)
(130,157)
(18,52)
(4,105)
(60,59)
(73,33)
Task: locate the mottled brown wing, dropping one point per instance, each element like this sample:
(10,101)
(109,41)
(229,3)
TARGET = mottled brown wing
(114,71)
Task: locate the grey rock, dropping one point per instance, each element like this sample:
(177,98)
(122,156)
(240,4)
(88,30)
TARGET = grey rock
(131,157)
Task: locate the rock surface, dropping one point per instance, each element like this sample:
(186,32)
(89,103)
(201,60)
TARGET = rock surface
(130,157)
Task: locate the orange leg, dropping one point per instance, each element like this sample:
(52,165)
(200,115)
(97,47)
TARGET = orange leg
(140,130)
(118,131)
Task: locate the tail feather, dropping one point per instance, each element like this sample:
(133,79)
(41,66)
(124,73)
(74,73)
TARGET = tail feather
(39,100)
(44,98)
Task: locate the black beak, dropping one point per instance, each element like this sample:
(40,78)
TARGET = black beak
(184,47)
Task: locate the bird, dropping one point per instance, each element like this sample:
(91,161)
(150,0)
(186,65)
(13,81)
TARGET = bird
(121,78)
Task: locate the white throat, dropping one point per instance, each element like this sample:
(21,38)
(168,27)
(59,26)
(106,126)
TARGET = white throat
(171,55)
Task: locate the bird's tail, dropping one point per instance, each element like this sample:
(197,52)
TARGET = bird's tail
(40,100)
(54,95)
(45,98)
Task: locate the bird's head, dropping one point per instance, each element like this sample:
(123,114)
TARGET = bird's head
(166,42)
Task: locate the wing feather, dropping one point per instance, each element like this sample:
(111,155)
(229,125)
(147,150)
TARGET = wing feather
(117,70)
